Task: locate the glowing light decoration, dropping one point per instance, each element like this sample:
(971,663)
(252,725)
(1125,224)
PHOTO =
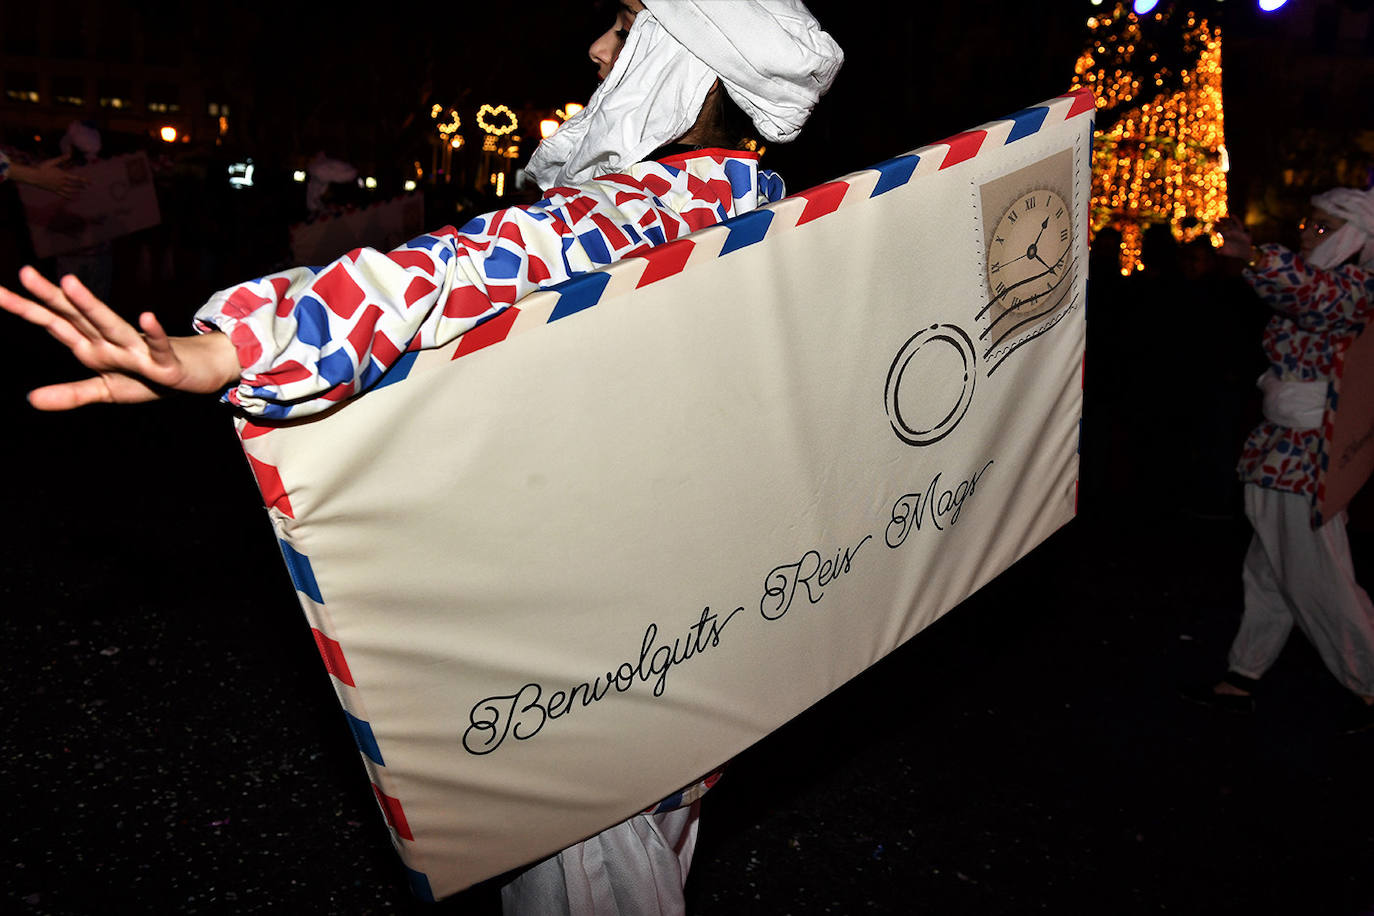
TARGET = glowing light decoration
(568,110)
(548,127)
(241,174)
(298,176)
(1144,6)
(448,123)
(497,120)
(1269,6)
(1163,158)
(168,134)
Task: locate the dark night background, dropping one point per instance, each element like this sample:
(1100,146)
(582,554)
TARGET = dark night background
(171,743)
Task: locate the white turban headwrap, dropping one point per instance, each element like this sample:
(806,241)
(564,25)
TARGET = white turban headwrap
(771,55)
(81,137)
(1357,235)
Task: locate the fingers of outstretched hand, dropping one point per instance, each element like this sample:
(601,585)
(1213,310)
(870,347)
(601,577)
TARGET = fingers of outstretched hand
(156,340)
(70,395)
(42,316)
(100,316)
(55,301)
(106,388)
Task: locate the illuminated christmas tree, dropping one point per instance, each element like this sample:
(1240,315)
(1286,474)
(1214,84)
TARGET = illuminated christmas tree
(1159,153)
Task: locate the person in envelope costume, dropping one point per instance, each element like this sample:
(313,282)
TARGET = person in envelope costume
(652,157)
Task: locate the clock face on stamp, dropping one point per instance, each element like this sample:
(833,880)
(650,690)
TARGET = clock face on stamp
(1029,252)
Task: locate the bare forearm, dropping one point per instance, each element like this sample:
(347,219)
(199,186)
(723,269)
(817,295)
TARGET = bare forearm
(211,362)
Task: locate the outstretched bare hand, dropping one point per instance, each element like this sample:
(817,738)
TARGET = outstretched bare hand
(130,366)
(50,176)
(1235,239)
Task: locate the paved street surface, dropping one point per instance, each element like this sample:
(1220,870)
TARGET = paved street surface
(172,745)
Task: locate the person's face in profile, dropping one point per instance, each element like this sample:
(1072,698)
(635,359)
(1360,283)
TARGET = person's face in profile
(606,49)
(1315,229)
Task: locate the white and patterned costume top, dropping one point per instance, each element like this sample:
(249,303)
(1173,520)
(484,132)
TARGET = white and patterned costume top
(310,337)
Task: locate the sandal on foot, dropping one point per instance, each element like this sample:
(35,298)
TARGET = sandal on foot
(1234,704)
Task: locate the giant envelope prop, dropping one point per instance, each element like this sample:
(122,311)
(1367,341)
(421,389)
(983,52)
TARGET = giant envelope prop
(120,199)
(624,530)
(1347,454)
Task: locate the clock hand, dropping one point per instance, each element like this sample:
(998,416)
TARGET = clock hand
(1057,261)
(1035,245)
(1003,294)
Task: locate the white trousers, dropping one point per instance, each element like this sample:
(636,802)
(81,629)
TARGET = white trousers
(1293,574)
(636,868)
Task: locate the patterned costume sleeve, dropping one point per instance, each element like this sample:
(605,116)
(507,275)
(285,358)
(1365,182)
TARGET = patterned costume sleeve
(1321,301)
(310,337)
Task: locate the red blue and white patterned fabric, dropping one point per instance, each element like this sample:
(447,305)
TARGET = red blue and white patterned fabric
(1318,313)
(309,337)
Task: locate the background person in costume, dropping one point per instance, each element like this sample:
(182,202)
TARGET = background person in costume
(1322,296)
(94,265)
(301,340)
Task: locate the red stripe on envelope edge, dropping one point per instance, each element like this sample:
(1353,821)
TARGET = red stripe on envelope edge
(493,330)
(1083,100)
(395,816)
(334,661)
(822,199)
(269,482)
(665,260)
(962,147)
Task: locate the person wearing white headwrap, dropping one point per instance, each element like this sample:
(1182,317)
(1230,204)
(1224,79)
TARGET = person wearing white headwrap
(321,172)
(80,138)
(774,61)
(1353,236)
(1298,568)
(771,56)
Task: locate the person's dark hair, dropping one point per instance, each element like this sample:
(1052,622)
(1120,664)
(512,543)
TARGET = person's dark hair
(722,123)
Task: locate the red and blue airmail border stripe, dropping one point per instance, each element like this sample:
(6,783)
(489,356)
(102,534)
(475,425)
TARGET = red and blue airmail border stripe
(586,290)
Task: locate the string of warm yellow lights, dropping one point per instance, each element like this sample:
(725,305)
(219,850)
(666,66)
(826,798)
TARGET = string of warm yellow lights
(1164,158)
